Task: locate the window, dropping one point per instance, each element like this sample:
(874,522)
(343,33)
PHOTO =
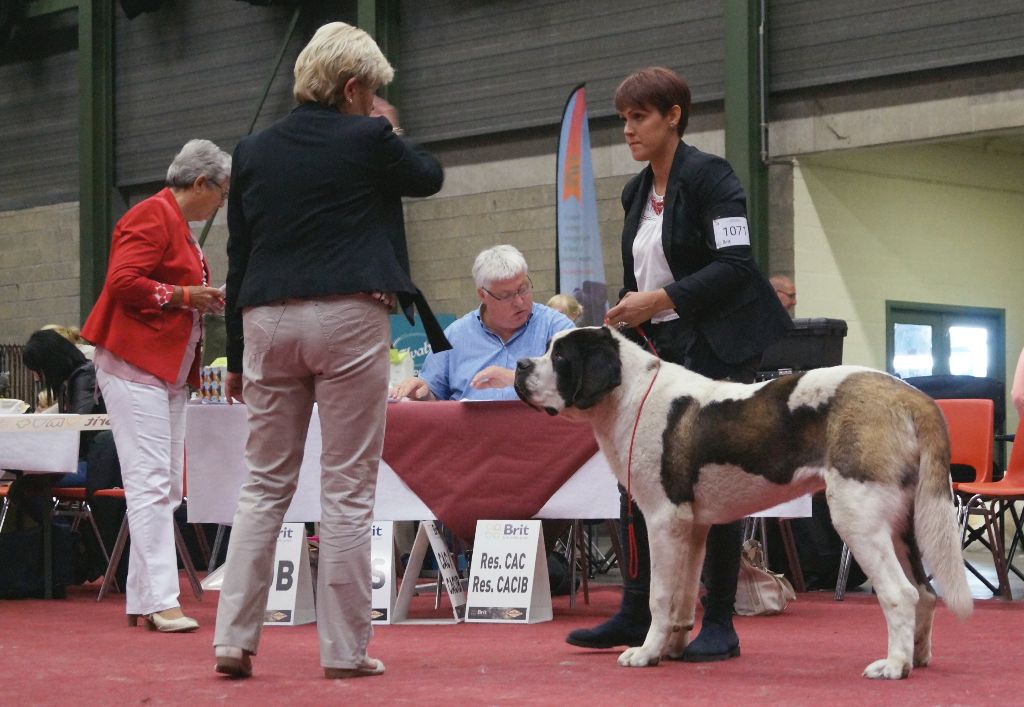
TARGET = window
(933,340)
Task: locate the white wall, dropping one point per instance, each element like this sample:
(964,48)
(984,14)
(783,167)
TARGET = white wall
(940,223)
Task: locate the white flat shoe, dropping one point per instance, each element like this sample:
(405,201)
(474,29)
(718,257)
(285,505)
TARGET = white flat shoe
(178,624)
(369,667)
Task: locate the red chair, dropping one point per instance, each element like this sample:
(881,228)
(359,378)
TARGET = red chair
(122,538)
(992,501)
(971,424)
(73,502)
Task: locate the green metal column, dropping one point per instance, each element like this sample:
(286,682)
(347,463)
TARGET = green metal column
(743,115)
(95,144)
(379,19)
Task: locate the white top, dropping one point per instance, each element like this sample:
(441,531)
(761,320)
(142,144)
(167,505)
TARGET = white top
(649,262)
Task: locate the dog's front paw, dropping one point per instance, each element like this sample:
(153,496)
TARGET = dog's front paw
(886,669)
(638,658)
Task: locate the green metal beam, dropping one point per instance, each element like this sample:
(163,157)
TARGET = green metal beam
(95,145)
(379,19)
(743,115)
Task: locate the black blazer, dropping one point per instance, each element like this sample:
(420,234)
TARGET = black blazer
(719,291)
(315,209)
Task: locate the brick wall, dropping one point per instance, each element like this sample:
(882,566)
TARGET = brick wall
(39,270)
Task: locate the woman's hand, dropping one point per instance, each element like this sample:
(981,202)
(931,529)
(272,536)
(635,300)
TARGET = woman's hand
(383,109)
(635,308)
(233,387)
(204,299)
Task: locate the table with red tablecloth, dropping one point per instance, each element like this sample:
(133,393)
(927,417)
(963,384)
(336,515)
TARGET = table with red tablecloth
(457,462)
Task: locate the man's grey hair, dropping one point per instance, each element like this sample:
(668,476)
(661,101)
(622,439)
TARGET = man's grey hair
(198,158)
(502,262)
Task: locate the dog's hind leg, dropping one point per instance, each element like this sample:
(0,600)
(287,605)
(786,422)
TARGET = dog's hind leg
(925,607)
(664,533)
(869,537)
(684,601)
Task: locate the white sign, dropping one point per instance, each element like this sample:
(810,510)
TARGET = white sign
(291,591)
(731,231)
(447,575)
(508,581)
(382,571)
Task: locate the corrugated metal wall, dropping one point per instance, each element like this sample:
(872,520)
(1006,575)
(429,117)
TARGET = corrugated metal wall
(195,69)
(466,68)
(39,124)
(818,42)
(474,68)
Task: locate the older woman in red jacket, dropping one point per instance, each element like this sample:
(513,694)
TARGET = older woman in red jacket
(147,328)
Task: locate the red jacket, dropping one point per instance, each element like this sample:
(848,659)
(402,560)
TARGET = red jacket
(151,247)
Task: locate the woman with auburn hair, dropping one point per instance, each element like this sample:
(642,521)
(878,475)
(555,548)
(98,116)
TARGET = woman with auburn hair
(147,326)
(691,283)
(316,256)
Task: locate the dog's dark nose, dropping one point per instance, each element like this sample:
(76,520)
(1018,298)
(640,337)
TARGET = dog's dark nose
(524,365)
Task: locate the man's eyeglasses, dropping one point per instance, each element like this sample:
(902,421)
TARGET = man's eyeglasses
(523,292)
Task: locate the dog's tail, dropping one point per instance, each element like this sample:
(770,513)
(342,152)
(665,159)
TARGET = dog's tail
(935,522)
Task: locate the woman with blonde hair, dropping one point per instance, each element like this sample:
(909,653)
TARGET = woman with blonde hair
(316,255)
(567,305)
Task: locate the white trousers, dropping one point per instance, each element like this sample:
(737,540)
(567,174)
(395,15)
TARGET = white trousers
(332,350)
(148,423)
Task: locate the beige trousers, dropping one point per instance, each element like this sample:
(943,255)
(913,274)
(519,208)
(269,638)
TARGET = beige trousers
(331,350)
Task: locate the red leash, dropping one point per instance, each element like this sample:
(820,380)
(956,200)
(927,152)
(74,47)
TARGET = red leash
(634,562)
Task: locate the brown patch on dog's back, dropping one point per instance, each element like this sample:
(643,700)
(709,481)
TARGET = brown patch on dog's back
(758,434)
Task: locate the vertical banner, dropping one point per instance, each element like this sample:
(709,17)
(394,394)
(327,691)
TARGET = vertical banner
(579,260)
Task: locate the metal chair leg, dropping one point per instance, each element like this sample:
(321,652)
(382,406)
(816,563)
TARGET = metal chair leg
(844,573)
(115,559)
(218,540)
(186,561)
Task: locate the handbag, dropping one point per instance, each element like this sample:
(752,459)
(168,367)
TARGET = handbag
(759,591)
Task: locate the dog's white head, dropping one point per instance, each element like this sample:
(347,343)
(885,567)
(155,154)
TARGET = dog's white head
(579,368)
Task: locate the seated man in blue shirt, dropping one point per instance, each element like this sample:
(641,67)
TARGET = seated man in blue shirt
(487,342)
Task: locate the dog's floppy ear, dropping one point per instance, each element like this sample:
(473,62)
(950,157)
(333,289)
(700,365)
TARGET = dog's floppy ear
(588,366)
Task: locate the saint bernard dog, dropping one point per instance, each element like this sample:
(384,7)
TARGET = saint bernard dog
(707,452)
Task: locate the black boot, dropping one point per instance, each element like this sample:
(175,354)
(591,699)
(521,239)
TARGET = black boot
(630,625)
(717,639)
(627,628)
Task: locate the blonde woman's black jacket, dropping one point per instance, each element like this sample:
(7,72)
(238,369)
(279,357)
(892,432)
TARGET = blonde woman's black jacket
(315,209)
(720,292)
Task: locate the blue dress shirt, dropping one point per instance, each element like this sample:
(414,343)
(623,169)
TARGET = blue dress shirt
(475,347)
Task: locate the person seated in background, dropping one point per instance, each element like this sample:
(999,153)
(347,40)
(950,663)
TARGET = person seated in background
(72,334)
(786,291)
(68,379)
(567,305)
(488,341)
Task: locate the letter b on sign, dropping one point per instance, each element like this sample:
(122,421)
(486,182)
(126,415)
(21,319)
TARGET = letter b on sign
(285,576)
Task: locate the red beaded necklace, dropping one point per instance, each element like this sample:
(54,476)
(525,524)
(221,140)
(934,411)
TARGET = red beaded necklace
(657,204)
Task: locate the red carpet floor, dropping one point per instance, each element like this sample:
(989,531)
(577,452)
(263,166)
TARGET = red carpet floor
(75,651)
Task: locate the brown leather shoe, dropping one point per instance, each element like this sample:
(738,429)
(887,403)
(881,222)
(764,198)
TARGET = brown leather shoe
(233,661)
